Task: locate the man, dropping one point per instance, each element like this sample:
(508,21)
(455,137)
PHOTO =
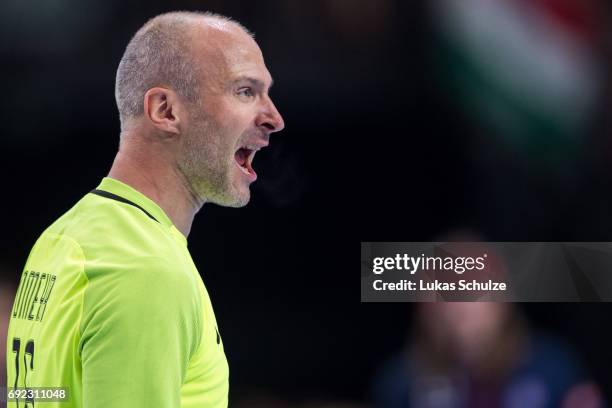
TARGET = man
(110,306)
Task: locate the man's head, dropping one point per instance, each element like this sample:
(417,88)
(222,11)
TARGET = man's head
(196,86)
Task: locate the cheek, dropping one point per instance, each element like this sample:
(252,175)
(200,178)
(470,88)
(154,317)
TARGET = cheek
(236,114)
(229,122)
(234,130)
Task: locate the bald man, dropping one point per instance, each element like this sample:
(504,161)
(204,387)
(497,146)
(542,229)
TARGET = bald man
(111,308)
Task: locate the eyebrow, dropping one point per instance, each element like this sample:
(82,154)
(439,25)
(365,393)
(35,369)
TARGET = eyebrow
(253,81)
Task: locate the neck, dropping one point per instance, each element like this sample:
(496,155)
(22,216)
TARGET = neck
(147,169)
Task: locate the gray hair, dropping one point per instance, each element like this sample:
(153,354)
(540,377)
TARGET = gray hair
(159,55)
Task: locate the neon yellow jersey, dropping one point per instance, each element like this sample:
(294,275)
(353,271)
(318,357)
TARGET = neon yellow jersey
(112,308)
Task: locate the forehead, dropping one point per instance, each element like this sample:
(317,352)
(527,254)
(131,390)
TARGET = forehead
(226,53)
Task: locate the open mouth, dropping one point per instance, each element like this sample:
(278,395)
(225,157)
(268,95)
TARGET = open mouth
(244,158)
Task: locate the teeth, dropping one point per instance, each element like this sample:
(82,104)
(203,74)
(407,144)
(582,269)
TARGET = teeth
(253,147)
(244,169)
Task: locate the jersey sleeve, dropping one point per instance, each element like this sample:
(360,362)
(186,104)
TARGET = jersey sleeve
(139,329)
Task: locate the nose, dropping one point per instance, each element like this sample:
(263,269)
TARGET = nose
(270,118)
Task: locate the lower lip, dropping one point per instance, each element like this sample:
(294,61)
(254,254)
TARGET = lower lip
(251,175)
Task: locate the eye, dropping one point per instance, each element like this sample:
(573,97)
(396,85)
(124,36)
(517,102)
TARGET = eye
(246,92)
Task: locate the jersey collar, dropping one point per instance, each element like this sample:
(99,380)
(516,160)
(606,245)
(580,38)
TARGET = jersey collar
(123,190)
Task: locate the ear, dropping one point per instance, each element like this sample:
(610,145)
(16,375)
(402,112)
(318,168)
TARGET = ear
(163,108)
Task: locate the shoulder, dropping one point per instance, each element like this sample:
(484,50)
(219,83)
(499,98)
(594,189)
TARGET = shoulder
(116,247)
(106,229)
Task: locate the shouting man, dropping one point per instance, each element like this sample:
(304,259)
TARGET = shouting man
(111,311)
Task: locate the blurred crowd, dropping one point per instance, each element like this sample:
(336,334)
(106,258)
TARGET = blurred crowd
(481,354)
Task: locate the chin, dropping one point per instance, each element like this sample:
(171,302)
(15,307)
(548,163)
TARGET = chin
(236,199)
(243,199)
(239,203)
(225,193)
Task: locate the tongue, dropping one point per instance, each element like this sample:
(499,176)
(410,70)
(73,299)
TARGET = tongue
(241,156)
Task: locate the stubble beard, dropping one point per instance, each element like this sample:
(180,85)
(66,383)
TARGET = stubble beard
(207,162)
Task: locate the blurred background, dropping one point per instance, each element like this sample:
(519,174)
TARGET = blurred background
(405,121)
